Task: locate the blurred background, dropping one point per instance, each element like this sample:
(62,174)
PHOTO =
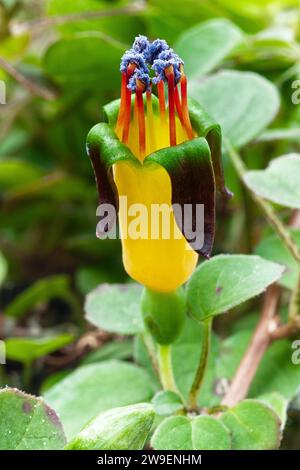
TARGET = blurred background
(59,60)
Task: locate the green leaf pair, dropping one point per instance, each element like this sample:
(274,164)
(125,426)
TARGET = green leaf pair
(251,425)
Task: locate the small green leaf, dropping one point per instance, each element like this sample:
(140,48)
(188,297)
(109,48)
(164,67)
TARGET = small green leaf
(200,433)
(27,350)
(253,426)
(278,403)
(167,402)
(115,308)
(243,103)
(226,281)
(28,423)
(39,292)
(273,249)
(94,388)
(279,182)
(125,428)
(204,46)
(3,268)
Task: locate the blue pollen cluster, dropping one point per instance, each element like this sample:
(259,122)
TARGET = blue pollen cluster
(156,55)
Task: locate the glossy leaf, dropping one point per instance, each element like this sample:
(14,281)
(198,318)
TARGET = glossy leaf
(226,281)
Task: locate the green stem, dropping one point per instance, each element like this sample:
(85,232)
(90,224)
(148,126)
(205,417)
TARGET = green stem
(150,346)
(165,367)
(198,380)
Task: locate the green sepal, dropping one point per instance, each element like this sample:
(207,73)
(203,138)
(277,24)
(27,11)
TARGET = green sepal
(191,172)
(164,314)
(105,149)
(206,127)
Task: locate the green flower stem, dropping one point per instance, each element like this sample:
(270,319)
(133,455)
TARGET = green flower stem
(276,223)
(198,380)
(151,349)
(165,367)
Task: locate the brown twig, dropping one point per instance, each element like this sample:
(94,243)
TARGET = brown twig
(260,341)
(41,24)
(32,87)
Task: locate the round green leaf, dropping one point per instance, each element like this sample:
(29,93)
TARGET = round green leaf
(28,423)
(226,281)
(273,249)
(174,433)
(204,46)
(200,433)
(253,426)
(279,182)
(94,388)
(167,402)
(124,428)
(115,308)
(243,103)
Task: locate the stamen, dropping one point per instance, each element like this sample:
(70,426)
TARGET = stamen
(150,121)
(127,116)
(140,87)
(161,98)
(121,114)
(169,72)
(178,105)
(184,103)
(126,111)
